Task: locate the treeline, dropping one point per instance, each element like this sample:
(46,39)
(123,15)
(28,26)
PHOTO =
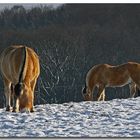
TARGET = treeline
(70,40)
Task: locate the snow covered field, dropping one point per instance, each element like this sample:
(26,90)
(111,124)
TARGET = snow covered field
(115,118)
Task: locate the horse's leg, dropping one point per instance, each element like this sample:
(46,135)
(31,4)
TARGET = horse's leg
(103,95)
(16,104)
(12,95)
(132,87)
(101,92)
(15,100)
(7,91)
(33,83)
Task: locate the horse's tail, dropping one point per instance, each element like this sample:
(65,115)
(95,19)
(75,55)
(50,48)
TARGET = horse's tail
(19,85)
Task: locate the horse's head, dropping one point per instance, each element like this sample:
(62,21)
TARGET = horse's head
(86,95)
(26,99)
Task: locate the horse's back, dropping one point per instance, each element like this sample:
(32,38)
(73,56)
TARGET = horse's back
(10,61)
(96,72)
(108,75)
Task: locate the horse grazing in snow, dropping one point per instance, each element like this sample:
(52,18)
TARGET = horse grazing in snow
(104,75)
(20,69)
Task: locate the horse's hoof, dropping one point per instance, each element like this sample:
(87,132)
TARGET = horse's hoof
(15,110)
(25,110)
(8,108)
(32,110)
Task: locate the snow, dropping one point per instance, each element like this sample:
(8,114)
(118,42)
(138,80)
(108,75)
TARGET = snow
(115,118)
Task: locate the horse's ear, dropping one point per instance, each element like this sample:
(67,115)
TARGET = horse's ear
(84,90)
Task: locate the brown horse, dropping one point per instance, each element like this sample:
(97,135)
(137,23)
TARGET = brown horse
(104,75)
(20,69)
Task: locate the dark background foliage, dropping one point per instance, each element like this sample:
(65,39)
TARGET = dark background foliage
(69,41)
